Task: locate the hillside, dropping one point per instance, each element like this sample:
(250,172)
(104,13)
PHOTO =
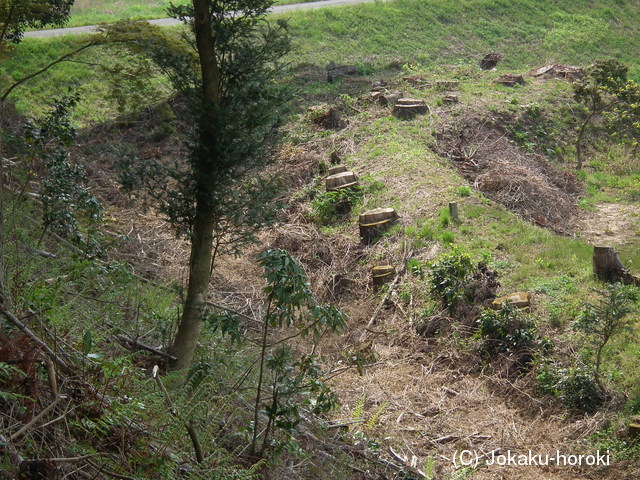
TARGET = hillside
(418,380)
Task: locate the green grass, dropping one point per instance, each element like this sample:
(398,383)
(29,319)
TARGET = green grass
(527,32)
(427,35)
(93,12)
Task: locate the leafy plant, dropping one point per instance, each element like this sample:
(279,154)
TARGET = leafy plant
(507,330)
(575,387)
(578,390)
(68,205)
(607,318)
(448,277)
(290,303)
(605,89)
(330,205)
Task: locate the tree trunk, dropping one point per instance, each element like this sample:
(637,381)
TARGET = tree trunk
(184,345)
(581,132)
(186,340)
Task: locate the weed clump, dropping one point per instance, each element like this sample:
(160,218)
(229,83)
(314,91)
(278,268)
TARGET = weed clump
(331,206)
(575,387)
(507,330)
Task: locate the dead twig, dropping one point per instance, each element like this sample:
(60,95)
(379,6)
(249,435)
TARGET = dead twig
(36,419)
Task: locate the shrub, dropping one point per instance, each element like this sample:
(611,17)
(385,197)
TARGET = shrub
(507,330)
(608,318)
(464,191)
(334,203)
(576,388)
(579,390)
(449,276)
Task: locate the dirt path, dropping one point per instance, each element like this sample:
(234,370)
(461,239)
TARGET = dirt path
(164,22)
(610,224)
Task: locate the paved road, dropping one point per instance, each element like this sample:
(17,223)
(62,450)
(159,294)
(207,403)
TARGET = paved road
(58,32)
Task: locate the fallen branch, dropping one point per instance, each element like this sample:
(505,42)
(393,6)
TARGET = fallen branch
(412,464)
(109,472)
(135,345)
(8,448)
(63,366)
(74,459)
(36,419)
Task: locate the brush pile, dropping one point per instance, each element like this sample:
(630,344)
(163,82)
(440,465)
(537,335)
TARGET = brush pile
(523,182)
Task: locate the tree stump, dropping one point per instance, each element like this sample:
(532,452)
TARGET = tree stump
(334,158)
(389,98)
(341,180)
(453,211)
(409,107)
(517,300)
(382,274)
(490,60)
(510,79)
(608,267)
(337,169)
(452,98)
(374,222)
(330,119)
(376,95)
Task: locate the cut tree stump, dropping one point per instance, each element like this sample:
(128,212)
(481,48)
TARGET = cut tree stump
(453,211)
(337,169)
(389,98)
(374,222)
(328,119)
(510,79)
(341,180)
(608,267)
(517,300)
(450,98)
(490,60)
(559,71)
(409,107)
(334,158)
(382,274)
(376,95)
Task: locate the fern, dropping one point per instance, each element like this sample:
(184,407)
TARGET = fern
(373,420)
(358,409)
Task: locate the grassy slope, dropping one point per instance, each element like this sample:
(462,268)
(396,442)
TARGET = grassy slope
(429,35)
(527,32)
(426,34)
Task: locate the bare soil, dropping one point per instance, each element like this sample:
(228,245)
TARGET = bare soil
(610,224)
